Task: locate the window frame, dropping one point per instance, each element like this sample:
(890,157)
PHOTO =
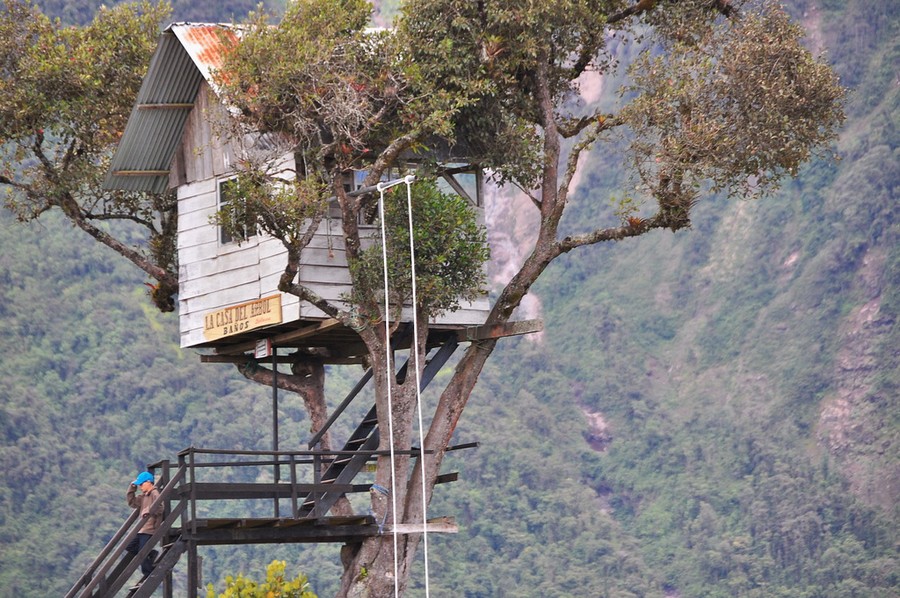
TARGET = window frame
(224,237)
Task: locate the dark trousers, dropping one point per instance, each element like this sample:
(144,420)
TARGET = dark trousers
(135,547)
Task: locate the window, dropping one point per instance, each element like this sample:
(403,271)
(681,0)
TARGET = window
(236,223)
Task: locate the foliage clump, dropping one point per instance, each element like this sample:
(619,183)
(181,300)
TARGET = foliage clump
(275,586)
(737,106)
(449,245)
(65,95)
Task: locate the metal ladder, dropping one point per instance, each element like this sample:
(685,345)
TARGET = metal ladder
(365,438)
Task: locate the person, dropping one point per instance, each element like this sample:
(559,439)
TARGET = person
(150,518)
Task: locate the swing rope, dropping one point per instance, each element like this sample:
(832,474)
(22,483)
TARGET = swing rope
(412,253)
(389,375)
(382,187)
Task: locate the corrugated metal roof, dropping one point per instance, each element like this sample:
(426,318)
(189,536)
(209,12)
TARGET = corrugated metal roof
(186,55)
(206,44)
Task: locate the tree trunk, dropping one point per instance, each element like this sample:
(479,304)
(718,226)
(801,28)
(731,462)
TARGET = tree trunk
(370,567)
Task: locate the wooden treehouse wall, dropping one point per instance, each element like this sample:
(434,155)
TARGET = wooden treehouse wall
(215,275)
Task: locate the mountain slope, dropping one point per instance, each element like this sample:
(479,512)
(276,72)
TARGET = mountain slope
(711,413)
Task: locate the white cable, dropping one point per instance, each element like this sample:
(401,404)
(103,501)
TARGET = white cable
(415,348)
(388,370)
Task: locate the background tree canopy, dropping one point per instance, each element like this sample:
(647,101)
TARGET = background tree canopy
(706,414)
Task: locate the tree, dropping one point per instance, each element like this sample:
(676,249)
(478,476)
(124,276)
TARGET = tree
(721,98)
(65,94)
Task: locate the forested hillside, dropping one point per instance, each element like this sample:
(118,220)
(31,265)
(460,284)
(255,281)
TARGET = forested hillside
(80,12)
(708,413)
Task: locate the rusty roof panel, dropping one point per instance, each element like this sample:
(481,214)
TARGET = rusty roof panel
(206,44)
(185,55)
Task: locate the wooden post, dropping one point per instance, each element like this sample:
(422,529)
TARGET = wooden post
(167,539)
(275,420)
(193,570)
(295,509)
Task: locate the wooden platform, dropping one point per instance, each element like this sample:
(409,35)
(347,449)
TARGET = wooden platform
(335,343)
(273,530)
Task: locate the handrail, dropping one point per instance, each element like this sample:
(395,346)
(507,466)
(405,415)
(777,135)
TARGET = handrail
(117,583)
(312,453)
(89,572)
(317,437)
(163,496)
(109,572)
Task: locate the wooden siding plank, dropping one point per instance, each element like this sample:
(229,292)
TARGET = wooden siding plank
(290,308)
(201,220)
(197,189)
(212,285)
(197,237)
(330,291)
(308,275)
(319,256)
(213,267)
(188,255)
(201,304)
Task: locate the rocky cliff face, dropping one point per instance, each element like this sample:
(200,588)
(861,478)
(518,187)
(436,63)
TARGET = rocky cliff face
(855,420)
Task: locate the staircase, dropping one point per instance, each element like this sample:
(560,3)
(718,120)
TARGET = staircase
(114,567)
(355,453)
(345,467)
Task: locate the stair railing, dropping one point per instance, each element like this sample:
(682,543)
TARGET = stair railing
(96,573)
(92,568)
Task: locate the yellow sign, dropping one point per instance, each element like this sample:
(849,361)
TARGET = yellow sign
(242,318)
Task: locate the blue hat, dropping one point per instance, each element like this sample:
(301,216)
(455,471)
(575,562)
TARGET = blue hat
(143,477)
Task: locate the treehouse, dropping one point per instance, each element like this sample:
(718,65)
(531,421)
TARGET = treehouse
(228,287)
(229,305)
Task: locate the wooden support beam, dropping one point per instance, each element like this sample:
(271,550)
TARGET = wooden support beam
(489,331)
(446,478)
(172,106)
(243,358)
(140,172)
(442,525)
(330,357)
(296,335)
(324,529)
(283,339)
(460,190)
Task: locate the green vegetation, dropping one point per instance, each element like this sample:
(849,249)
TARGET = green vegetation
(746,371)
(450,250)
(81,12)
(275,586)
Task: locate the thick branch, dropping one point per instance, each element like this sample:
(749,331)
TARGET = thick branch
(571,128)
(615,233)
(73,212)
(306,380)
(37,149)
(643,6)
(550,208)
(587,55)
(390,155)
(286,284)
